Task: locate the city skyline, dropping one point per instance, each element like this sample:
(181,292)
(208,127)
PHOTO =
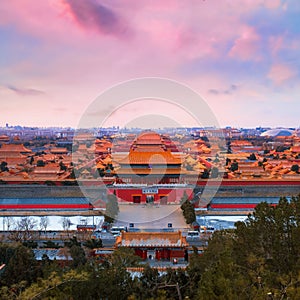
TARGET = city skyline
(241,57)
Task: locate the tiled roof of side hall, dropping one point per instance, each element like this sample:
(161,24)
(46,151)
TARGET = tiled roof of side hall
(151,239)
(14,148)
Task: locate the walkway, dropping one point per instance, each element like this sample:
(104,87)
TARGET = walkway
(153,216)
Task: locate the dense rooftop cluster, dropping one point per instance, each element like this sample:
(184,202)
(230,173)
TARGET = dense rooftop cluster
(180,157)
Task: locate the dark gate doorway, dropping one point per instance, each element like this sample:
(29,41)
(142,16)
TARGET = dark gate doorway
(136,199)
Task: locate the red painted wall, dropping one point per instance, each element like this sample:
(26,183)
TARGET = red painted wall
(234,206)
(174,195)
(45,206)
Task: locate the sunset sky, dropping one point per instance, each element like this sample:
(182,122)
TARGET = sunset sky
(241,56)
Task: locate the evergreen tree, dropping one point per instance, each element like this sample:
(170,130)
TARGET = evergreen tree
(188,210)
(112,208)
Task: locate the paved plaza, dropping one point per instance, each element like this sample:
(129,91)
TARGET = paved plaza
(154,216)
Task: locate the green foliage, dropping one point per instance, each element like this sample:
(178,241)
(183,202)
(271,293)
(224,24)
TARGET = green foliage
(78,256)
(112,208)
(57,286)
(93,243)
(30,244)
(77,253)
(40,163)
(252,156)
(101,172)
(62,166)
(214,172)
(234,166)
(205,174)
(259,257)
(188,211)
(228,161)
(72,242)
(3,166)
(124,257)
(20,264)
(295,168)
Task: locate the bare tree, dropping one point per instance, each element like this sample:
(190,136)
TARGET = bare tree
(9,221)
(23,230)
(44,222)
(66,223)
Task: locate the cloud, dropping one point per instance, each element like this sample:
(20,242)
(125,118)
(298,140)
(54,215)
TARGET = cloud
(24,91)
(228,91)
(276,43)
(280,73)
(246,46)
(76,49)
(92,15)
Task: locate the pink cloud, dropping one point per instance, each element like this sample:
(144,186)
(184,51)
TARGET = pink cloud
(247,5)
(272,4)
(75,56)
(276,44)
(246,46)
(91,14)
(280,73)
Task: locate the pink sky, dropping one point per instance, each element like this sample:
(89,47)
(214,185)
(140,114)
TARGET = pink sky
(242,57)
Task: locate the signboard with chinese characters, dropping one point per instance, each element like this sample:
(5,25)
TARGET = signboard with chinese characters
(150,190)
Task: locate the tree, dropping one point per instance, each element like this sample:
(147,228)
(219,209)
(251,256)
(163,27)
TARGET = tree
(31,160)
(51,244)
(229,151)
(93,243)
(101,172)
(72,242)
(188,212)
(261,255)
(44,222)
(228,161)
(62,166)
(252,156)
(214,172)
(234,166)
(124,257)
(205,174)
(268,245)
(3,166)
(66,223)
(78,256)
(112,208)
(21,266)
(295,168)
(9,221)
(40,163)
(24,230)
(69,285)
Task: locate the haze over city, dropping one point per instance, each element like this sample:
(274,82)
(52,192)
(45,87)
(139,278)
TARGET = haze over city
(242,57)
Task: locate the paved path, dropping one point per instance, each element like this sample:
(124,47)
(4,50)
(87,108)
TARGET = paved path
(152,216)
